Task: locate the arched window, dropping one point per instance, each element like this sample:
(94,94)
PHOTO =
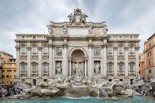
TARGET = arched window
(109,66)
(131,66)
(121,67)
(34,66)
(45,67)
(23,66)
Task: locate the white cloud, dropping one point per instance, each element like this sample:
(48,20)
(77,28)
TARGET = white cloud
(29,16)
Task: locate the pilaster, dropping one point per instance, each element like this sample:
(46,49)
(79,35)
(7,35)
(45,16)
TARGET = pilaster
(115,61)
(104,60)
(29,60)
(50,59)
(137,60)
(40,60)
(126,60)
(17,61)
(90,56)
(64,55)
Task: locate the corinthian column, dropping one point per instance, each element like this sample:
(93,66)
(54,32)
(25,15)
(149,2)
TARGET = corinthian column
(17,62)
(115,61)
(64,54)
(28,60)
(126,60)
(137,60)
(40,61)
(50,59)
(90,56)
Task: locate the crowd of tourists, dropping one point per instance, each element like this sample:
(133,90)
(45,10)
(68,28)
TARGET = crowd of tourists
(145,90)
(9,90)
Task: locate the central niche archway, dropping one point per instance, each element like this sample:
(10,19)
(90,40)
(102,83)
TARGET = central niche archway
(78,55)
(78,63)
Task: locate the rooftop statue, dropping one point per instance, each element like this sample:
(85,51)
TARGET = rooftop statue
(78,17)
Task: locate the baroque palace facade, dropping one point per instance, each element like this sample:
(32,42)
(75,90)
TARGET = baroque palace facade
(79,47)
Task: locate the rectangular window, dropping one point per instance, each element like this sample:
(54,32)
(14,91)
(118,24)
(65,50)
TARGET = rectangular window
(45,67)
(131,50)
(109,67)
(150,71)
(149,62)
(131,67)
(45,50)
(109,50)
(7,76)
(34,50)
(3,76)
(34,67)
(149,53)
(120,50)
(149,45)
(121,68)
(23,50)
(9,70)
(23,67)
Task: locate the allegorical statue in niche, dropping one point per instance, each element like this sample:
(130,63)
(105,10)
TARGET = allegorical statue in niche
(58,51)
(77,69)
(58,68)
(97,68)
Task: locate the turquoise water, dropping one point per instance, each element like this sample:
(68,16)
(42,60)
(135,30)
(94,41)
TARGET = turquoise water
(136,99)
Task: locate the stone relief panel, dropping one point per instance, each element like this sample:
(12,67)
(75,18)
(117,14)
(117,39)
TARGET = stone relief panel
(58,69)
(58,31)
(78,31)
(97,51)
(58,51)
(97,31)
(97,67)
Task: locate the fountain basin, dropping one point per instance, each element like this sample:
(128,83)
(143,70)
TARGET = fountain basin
(135,99)
(77,90)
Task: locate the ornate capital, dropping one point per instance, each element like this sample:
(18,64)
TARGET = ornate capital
(28,48)
(90,45)
(40,47)
(126,48)
(137,48)
(50,45)
(115,48)
(104,45)
(17,47)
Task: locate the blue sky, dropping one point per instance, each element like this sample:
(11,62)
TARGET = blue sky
(33,16)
